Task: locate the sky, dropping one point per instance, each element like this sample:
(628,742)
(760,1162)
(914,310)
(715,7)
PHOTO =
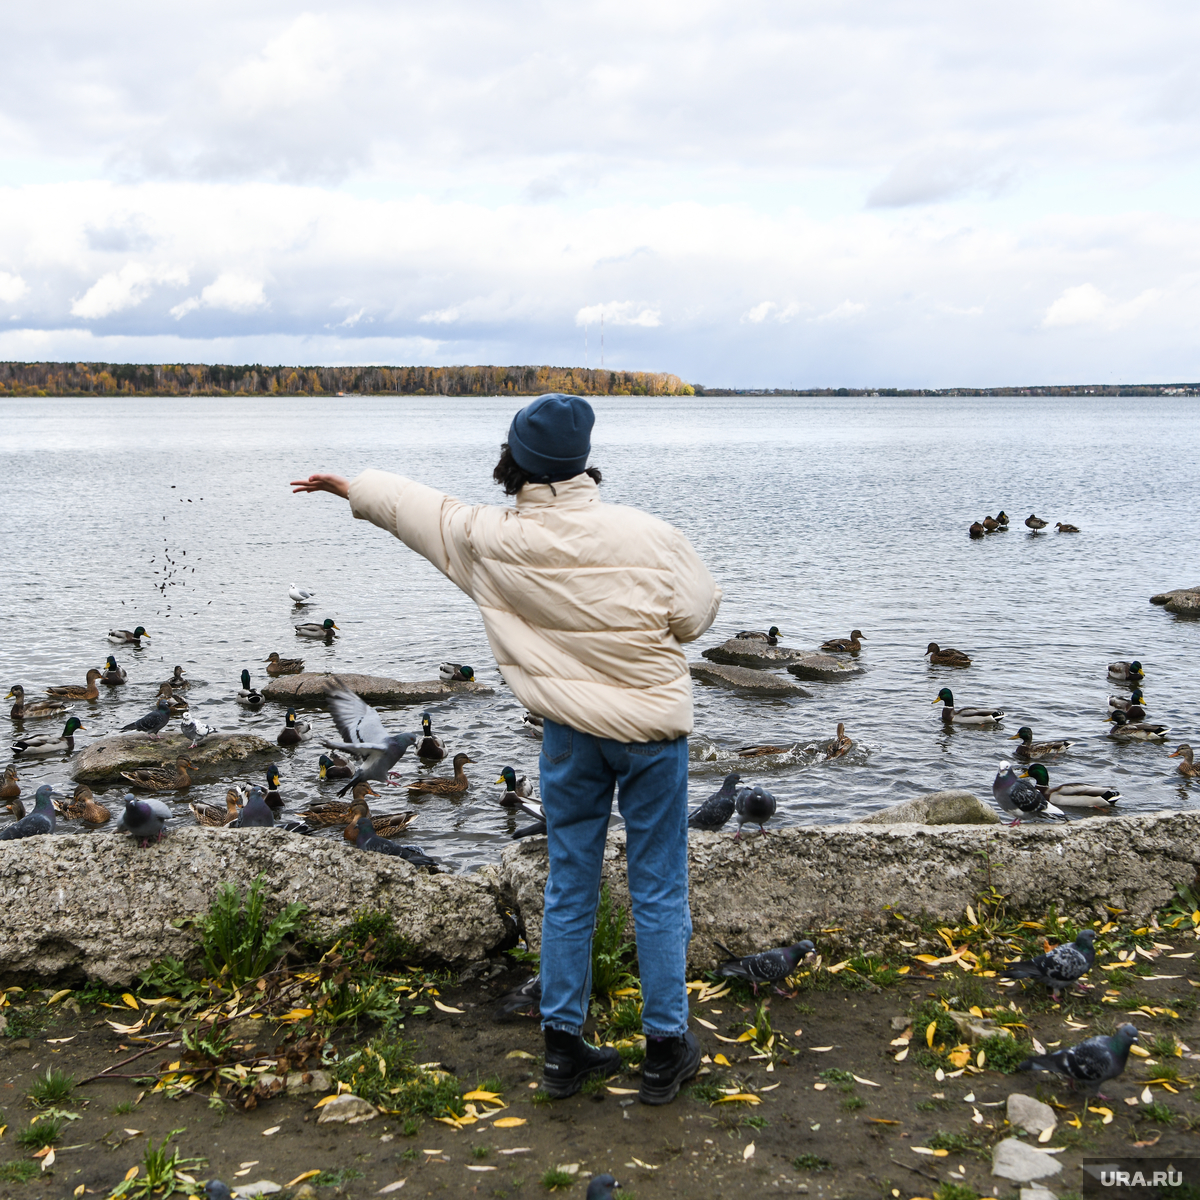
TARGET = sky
(755,194)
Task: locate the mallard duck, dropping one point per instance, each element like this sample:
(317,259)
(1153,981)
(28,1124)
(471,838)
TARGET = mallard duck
(445,787)
(966,716)
(838,745)
(294,732)
(175,704)
(247,696)
(301,595)
(771,637)
(430,749)
(335,767)
(1061,528)
(121,637)
(449,672)
(24,710)
(1187,767)
(1125,730)
(177,681)
(42,745)
(10,786)
(1034,523)
(311,629)
(1029,749)
(161,779)
(990,524)
(515,789)
(271,796)
(281,666)
(214,816)
(948,657)
(1002,519)
(384,826)
(850,645)
(83,807)
(15,807)
(1134,703)
(977,530)
(1071,795)
(533,725)
(75,691)
(112,674)
(1126,672)
(764,751)
(337,812)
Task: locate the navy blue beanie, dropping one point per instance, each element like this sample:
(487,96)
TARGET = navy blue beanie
(551,438)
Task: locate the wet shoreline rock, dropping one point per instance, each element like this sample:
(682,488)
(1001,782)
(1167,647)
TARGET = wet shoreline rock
(103,760)
(309,688)
(747,679)
(952,807)
(750,652)
(1184,602)
(825,667)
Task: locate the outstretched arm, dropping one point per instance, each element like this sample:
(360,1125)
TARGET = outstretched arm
(323,483)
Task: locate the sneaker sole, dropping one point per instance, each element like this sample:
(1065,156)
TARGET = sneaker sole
(668,1092)
(560,1089)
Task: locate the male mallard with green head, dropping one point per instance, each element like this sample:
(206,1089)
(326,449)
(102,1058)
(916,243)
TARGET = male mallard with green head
(123,637)
(314,629)
(42,745)
(113,675)
(1029,749)
(966,716)
(430,749)
(294,732)
(515,789)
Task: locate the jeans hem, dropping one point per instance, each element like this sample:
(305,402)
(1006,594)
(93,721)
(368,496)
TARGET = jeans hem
(563,1027)
(659,1033)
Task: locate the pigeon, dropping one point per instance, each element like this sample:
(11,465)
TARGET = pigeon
(144,818)
(754,805)
(1021,797)
(770,966)
(196,731)
(154,721)
(255,812)
(449,672)
(363,735)
(369,840)
(41,820)
(301,595)
(1060,967)
(214,1189)
(526,998)
(601,1187)
(718,808)
(1090,1063)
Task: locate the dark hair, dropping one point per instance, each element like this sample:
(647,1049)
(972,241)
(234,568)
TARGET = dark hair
(513,478)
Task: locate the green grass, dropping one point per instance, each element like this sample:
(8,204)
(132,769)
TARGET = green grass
(541,1099)
(159,1175)
(1158,1112)
(554,1179)
(956,1143)
(836,1075)
(337,1178)
(1004,1054)
(851,1103)
(126,1106)
(410,1155)
(479,1152)
(19,1171)
(45,1131)
(610,947)
(810,1162)
(956,1191)
(707,1093)
(53,1088)
(594,1086)
(371,940)
(236,939)
(1162,1045)
(932,1105)
(624,1019)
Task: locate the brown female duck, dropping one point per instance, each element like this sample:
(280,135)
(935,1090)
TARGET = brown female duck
(283,666)
(25,710)
(850,645)
(84,807)
(1187,767)
(838,745)
(384,826)
(948,657)
(75,691)
(10,787)
(161,779)
(213,816)
(455,786)
(337,812)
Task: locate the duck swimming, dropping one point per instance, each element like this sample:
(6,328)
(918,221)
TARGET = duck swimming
(1071,795)
(42,745)
(337,812)
(113,675)
(294,732)
(177,681)
(515,789)
(247,696)
(430,749)
(122,637)
(75,691)
(1061,528)
(949,657)
(966,716)
(455,786)
(83,807)
(24,710)
(1125,730)
(214,817)
(333,767)
(1029,749)
(839,745)
(1125,672)
(1187,768)
(311,629)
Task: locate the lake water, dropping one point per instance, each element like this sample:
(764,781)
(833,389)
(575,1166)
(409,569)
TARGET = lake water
(817,515)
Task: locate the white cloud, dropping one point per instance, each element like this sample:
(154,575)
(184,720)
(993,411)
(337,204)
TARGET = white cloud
(619,312)
(846,311)
(443,316)
(768,309)
(299,67)
(230,291)
(1086,304)
(12,288)
(126,288)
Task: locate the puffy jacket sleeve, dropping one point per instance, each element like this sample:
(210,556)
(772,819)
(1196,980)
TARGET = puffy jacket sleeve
(696,598)
(435,525)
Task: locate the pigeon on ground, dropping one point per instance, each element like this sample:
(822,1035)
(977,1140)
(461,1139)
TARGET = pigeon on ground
(255,814)
(770,966)
(1089,1063)
(363,735)
(369,840)
(154,721)
(718,808)
(40,820)
(1020,797)
(601,1187)
(301,595)
(214,1189)
(1060,967)
(526,998)
(753,805)
(195,730)
(144,818)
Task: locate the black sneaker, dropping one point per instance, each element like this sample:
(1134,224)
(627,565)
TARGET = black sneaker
(670,1062)
(570,1060)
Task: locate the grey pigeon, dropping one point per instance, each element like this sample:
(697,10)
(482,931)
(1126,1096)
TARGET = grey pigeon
(197,731)
(255,814)
(144,818)
(754,805)
(1020,797)
(527,997)
(214,1189)
(154,721)
(369,840)
(601,1187)
(363,735)
(768,967)
(718,808)
(1060,967)
(40,820)
(1090,1063)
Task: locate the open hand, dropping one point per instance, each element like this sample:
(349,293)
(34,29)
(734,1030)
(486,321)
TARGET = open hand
(323,483)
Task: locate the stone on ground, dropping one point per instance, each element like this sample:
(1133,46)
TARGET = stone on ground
(953,807)
(1029,1114)
(103,761)
(1013,1159)
(347,1110)
(1037,1192)
(747,679)
(309,688)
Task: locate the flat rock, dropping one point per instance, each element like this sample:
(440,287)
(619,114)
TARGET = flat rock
(1029,1114)
(1167,597)
(263,1187)
(347,1110)
(747,679)
(1035,1191)
(825,667)
(309,688)
(953,807)
(1013,1159)
(301,1083)
(750,652)
(973,1029)
(1184,602)
(105,759)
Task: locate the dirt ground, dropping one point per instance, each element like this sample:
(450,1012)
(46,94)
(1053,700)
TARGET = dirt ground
(837,1116)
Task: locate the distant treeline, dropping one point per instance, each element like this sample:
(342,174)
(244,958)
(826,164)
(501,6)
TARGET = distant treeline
(1074,389)
(193,379)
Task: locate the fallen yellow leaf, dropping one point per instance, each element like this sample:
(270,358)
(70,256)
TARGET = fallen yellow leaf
(131,1173)
(302,1178)
(929,1032)
(508,1122)
(59,996)
(478,1095)
(297,1014)
(720,1058)
(745,1097)
(326,1100)
(446,1008)
(130,999)
(702,1021)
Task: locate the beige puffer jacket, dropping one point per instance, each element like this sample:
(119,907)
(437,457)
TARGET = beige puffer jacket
(585,603)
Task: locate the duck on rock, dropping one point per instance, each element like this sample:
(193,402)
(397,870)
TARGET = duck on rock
(161,779)
(283,666)
(771,637)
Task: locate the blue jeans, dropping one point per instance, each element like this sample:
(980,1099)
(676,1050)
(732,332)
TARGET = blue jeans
(578,774)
